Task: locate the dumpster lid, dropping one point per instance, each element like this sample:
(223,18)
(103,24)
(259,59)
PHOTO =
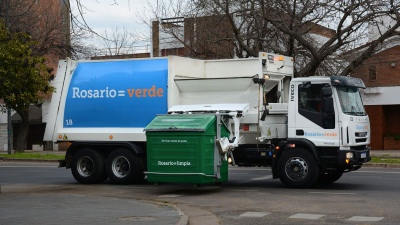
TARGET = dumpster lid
(176,123)
(242,108)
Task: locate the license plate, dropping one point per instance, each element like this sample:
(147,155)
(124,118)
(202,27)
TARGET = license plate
(363,155)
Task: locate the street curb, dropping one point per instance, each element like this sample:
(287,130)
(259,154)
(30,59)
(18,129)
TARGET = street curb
(381,165)
(183,218)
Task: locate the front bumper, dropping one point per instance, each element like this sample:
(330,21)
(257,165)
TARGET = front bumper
(360,156)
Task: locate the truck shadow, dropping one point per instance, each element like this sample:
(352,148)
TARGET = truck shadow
(272,186)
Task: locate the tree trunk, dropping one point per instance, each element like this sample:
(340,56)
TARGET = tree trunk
(23,133)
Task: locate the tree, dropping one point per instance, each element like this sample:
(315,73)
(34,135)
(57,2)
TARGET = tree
(24,77)
(39,31)
(116,42)
(46,21)
(317,33)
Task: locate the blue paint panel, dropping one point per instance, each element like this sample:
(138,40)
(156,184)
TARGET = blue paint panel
(116,93)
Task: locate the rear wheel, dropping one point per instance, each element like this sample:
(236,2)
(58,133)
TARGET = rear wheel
(124,167)
(297,168)
(329,178)
(88,166)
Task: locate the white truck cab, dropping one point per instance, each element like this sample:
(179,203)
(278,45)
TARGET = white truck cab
(328,112)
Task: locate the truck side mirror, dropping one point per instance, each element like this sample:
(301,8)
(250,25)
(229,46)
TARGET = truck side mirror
(305,84)
(326,91)
(327,99)
(328,113)
(328,104)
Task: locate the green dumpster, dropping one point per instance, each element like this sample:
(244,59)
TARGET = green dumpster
(181,149)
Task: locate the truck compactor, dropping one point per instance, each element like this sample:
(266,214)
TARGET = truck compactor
(308,130)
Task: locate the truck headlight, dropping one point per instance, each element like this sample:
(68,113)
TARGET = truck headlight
(349,155)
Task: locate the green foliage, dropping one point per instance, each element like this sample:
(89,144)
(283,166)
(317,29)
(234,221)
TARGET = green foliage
(394,136)
(24,76)
(389,160)
(33,156)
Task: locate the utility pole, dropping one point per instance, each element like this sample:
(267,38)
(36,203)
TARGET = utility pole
(9,131)
(9,123)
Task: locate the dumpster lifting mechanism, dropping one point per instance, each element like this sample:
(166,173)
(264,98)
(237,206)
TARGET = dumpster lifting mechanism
(233,111)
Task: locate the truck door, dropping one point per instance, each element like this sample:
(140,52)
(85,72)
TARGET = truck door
(316,117)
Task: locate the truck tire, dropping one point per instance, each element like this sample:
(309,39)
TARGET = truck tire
(124,167)
(297,169)
(329,178)
(88,166)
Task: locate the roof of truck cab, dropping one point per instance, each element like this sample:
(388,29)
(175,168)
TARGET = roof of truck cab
(313,78)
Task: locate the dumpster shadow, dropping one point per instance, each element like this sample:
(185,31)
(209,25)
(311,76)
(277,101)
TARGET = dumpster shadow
(188,189)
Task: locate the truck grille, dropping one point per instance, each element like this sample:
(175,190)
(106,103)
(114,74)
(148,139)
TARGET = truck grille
(361,134)
(361,137)
(361,140)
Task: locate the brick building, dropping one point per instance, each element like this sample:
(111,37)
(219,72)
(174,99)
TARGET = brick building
(208,37)
(381,75)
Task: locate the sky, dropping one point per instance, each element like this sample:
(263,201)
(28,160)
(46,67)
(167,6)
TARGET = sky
(104,15)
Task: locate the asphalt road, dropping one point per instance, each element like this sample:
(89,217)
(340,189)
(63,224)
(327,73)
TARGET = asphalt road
(367,196)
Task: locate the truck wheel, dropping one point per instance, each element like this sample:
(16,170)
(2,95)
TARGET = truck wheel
(329,178)
(297,169)
(124,167)
(88,166)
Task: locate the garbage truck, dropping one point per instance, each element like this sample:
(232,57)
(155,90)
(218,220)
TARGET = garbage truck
(178,119)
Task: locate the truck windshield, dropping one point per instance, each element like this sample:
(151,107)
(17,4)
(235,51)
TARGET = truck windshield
(350,101)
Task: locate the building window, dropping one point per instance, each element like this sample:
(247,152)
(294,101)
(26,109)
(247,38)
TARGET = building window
(372,72)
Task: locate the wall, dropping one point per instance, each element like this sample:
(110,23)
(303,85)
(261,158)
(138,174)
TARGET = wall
(391,119)
(375,113)
(384,121)
(387,64)
(4,131)
(3,137)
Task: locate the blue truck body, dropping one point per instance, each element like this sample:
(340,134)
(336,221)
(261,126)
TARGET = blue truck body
(116,94)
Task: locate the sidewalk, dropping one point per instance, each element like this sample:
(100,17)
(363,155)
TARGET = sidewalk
(385,153)
(66,209)
(21,208)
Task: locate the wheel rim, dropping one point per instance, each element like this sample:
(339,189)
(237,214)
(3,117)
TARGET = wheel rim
(296,169)
(120,166)
(85,166)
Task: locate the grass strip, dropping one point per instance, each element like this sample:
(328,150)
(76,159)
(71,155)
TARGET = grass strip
(388,160)
(38,156)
